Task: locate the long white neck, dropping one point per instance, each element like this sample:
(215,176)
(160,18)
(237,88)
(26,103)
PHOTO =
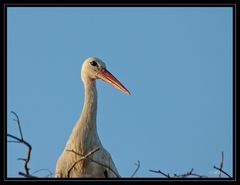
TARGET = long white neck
(84,137)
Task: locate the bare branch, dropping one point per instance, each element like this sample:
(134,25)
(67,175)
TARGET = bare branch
(138,166)
(164,174)
(221,170)
(190,173)
(14,137)
(28,153)
(21,140)
(18,122)
(26,175)
(82,157)
(92,160)
(184,175)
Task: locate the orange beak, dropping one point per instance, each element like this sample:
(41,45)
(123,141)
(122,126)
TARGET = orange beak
(106,76)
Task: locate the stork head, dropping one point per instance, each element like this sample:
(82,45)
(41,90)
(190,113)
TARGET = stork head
(93,68)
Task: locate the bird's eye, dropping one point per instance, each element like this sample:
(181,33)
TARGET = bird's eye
(93,63)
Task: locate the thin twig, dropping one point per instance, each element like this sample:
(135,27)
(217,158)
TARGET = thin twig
(45,169)
(164,174)
(87,155)
(82,157)
(221,165)
(49,175)
(22,141)
(190,173)
(13,141)
(138,166)
(22,159)
(184,175)
(16,138)
(92,160)
(18,122)
(222,171)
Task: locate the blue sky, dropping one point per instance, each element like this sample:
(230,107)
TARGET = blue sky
(175,61)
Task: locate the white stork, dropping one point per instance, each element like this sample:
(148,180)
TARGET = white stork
(84,155)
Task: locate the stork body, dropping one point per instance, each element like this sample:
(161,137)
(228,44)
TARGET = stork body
(84,155)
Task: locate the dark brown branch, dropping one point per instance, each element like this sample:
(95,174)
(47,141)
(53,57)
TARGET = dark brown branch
(138,166)
(21,140)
